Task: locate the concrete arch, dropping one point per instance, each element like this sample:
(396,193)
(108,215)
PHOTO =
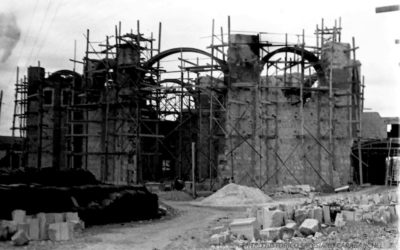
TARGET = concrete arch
(309,56)
(169,52)
(64,72)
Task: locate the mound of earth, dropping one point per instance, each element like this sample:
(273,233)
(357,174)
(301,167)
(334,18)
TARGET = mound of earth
(236,195)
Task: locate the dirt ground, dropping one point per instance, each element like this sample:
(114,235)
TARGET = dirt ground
(189,227)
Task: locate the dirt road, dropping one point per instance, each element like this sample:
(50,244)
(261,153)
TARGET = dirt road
(187,230)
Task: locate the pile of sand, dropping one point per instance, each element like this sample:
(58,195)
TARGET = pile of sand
(236,195)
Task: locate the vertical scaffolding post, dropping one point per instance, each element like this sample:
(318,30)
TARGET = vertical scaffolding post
(322,32)
(302,106)
(181,121)
(15,103)
(285,63)
(158,100)
(106,120)
(210,142)
(331,116)
(358,89)
(74,55)
(138,116)
(86,111)
(229,85)
(40,125)
(223,46)
(193,169)
(317,40)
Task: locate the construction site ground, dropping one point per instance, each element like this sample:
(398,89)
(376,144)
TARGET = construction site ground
(187,226)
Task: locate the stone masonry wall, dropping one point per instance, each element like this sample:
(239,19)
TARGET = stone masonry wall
(266,144)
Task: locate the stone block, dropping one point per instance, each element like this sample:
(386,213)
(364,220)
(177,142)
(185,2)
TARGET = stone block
(272,233)
(358,215)
(291,225)
(309,227)
(273,218)
(316,213)
(327,214)
(50,218)
(34,230)
(348,215)
(43,226)
(289,213)
(300,215)
(219,239)
(339,221)
(60,231)
(54,218)
(20,238)
(286,233)
(71,216)
(217,230)
(18,216)
(245,227)
(59,217)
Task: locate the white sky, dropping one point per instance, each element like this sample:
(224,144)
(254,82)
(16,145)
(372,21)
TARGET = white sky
(49,28)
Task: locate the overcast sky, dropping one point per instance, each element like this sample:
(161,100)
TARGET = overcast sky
(45,30)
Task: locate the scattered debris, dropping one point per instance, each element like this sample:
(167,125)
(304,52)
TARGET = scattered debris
(308,221)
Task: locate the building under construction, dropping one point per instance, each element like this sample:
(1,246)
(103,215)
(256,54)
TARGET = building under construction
(263,109)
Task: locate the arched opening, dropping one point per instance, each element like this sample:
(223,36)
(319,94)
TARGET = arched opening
(186,87)
(290,67)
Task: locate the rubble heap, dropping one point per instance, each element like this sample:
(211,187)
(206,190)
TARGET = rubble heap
(312,218)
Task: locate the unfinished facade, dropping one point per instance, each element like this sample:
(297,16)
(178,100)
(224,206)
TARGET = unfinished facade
(260,112)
